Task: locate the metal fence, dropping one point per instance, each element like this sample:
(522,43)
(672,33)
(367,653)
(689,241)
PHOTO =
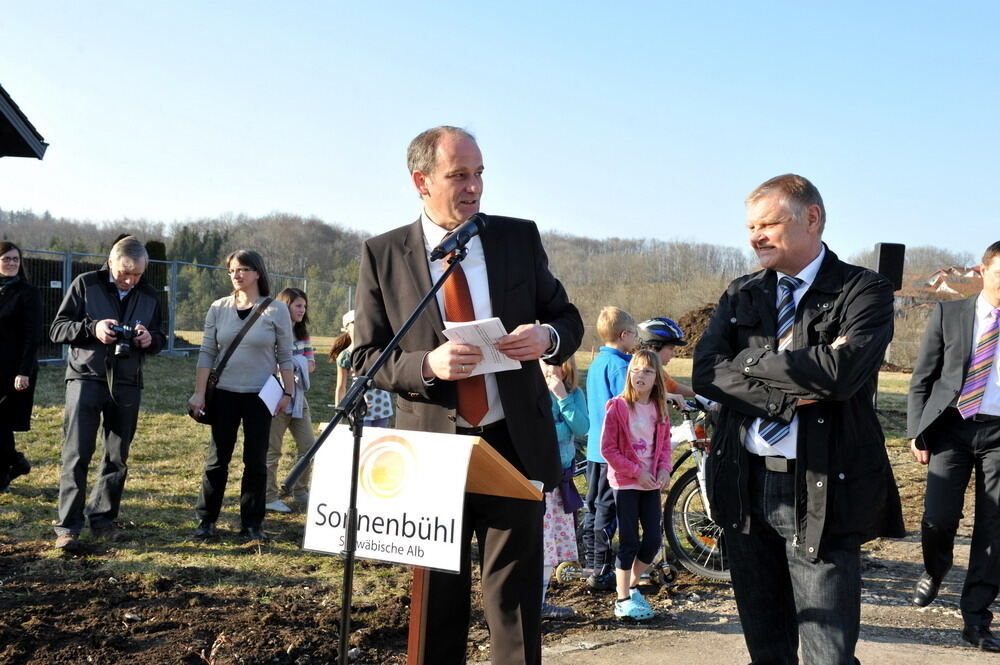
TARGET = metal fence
(185,291)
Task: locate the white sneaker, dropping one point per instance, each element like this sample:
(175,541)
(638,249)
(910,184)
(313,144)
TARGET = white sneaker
(278,506)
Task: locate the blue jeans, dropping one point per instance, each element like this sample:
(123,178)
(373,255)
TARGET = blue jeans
(781,595)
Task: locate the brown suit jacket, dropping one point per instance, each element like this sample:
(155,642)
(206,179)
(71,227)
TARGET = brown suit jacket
(394,277)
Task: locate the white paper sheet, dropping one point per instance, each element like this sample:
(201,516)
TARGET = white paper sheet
(483,333)
(271,394)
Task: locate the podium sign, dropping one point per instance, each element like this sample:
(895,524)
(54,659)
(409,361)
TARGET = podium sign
(411,489)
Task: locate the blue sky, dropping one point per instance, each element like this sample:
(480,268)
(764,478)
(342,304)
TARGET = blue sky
(597,119)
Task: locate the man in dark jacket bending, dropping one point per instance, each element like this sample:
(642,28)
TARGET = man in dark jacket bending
(798,476)
(103,384)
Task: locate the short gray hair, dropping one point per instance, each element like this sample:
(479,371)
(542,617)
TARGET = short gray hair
(797,192)
(129,247)
(422,153)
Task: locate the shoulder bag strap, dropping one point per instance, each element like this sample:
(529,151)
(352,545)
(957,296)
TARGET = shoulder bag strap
(239,336)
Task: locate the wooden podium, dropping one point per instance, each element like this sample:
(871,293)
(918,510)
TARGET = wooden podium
(489,473)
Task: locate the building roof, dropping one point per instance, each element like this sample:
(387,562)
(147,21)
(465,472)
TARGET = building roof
(18,137)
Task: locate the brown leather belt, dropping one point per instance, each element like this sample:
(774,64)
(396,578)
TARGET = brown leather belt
(774,463)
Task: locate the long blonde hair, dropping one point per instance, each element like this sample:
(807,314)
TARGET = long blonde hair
(658,395)
(570,378)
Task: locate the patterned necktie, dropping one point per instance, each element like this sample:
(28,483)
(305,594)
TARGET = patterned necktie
(472,403)
(773,431)
(971,397)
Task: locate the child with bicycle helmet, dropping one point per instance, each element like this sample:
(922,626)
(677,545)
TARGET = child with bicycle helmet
(636,443)
(662,336)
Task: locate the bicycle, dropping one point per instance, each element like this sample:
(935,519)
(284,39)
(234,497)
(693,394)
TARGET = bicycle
(695,540)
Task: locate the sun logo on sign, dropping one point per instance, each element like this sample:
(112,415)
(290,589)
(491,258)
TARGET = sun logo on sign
(384,466)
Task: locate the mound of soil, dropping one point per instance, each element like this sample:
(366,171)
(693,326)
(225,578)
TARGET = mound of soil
(694,324)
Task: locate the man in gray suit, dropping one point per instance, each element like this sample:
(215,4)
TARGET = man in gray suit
(953,421)
(505,275)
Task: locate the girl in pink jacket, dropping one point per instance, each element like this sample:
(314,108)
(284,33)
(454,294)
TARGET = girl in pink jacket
(636,443)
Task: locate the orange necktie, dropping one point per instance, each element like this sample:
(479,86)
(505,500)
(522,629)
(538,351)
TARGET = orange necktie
(472,404)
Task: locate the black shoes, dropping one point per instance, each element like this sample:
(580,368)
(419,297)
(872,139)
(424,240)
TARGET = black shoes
(108,532)
(603,582)
(206,530)
(925,591)
(19,467)
(982,638)
(254,533)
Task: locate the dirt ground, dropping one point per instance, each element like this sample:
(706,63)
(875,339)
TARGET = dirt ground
(86,617)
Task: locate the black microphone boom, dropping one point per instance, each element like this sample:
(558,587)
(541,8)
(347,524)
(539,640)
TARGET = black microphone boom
(460,237)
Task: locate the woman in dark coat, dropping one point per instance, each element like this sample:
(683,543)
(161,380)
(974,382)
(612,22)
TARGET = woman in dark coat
(20,330)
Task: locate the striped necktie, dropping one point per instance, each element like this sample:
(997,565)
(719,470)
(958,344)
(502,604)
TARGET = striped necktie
(971,397)
(773,431)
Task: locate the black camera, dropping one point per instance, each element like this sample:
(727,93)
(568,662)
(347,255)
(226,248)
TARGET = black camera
(123,345)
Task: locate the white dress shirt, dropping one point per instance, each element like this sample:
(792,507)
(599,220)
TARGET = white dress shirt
(785,447)
(991,397)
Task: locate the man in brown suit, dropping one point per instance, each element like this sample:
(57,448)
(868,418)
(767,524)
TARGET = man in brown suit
(505,275)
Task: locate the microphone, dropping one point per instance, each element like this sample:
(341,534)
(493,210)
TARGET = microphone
(460,237)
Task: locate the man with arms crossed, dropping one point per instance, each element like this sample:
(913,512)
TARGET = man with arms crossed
(799,476)
(505,275)
(953,420)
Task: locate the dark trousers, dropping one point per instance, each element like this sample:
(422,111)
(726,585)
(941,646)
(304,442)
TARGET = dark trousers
(782,596)
(637,508)
(600,521)
(230,410)
(89,405)
(7,453)
(509,534)
(959,447)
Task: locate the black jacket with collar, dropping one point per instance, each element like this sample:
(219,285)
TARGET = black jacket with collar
(92,298)
(844,484)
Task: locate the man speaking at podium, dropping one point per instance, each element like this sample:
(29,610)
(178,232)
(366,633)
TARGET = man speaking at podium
(504,275)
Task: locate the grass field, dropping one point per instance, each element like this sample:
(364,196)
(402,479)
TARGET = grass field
(164,477)
(165,471)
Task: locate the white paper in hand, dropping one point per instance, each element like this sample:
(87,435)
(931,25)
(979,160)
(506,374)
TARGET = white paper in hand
(271,394)
(483,333)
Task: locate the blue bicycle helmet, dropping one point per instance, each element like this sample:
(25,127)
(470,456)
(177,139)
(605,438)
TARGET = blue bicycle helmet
(661,330)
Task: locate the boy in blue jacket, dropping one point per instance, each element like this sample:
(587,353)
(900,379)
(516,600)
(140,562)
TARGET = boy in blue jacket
(605,379)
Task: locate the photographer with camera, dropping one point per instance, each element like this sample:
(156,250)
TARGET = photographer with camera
(111,319)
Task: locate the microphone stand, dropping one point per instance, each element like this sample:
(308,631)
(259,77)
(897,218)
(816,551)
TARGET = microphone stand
(353,407)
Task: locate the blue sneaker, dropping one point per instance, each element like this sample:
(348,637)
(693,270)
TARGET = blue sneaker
(638,598)
(629,609)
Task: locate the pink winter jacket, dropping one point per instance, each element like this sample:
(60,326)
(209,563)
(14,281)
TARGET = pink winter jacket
(616,445)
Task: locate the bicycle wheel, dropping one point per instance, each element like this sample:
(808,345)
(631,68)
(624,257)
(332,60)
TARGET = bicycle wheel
(694,538)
